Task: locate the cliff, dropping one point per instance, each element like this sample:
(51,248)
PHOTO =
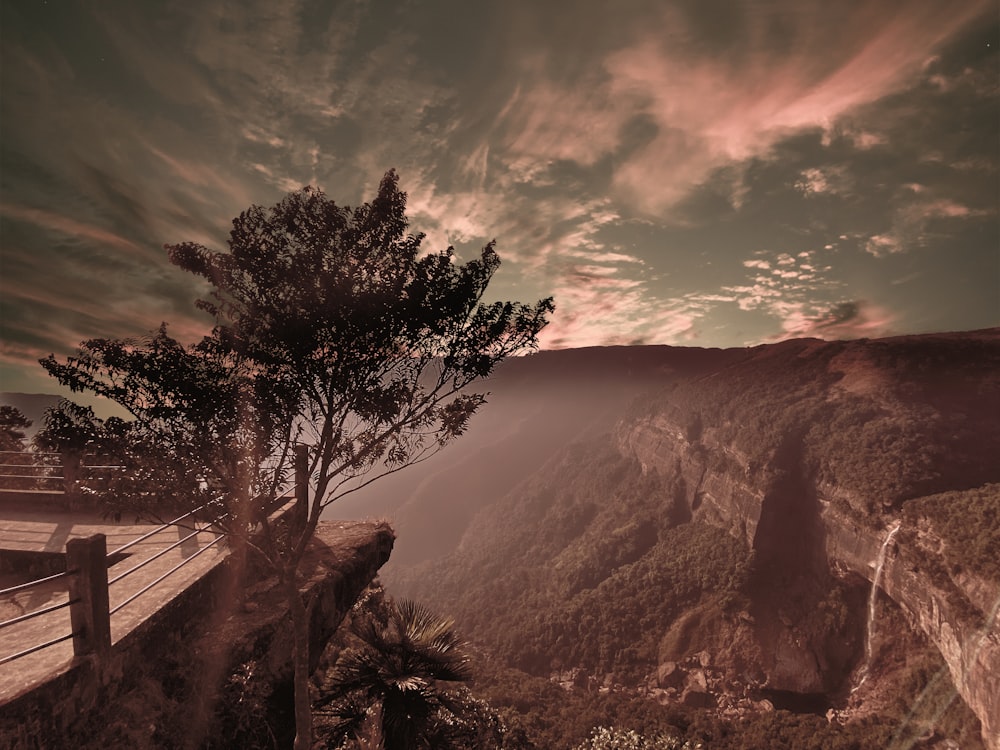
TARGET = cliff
(716,548)
(783,492)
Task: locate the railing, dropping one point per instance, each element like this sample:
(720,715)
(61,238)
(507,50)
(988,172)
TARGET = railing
(54,474)
(88,585)
(37,613)
(87,562)
(30,470)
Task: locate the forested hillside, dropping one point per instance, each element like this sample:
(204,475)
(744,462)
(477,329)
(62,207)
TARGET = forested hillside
(682,557)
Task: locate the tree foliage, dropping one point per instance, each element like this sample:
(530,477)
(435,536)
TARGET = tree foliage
(70,427)
(12,426)
(331,327)
(612,738)
(401,671)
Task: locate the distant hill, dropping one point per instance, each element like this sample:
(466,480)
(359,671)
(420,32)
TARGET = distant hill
(536,406)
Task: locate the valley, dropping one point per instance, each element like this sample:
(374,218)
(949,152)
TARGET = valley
(695,538)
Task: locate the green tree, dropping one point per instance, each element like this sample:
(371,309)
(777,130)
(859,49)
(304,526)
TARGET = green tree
(331,328)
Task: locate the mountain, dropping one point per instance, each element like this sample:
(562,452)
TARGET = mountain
(790,545)
(700,532)
(536,405)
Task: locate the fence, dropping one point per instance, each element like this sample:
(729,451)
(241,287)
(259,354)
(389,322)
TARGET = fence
(88,585)
(87,563)
(60,478)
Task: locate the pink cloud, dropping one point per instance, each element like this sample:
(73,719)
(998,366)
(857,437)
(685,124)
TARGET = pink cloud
(600,310)
(846,320)
(911,220)
(710,111)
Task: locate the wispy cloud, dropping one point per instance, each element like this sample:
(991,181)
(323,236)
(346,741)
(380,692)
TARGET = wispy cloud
(70,227)
(703,110)
(914,220)
(629,163)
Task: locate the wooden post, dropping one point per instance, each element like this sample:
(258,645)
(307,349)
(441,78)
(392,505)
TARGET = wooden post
(88,592)
(301,484)
(72,462)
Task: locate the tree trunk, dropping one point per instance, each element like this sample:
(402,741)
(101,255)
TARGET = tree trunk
(300,660)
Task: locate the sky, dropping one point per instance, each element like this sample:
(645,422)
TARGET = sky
(690,172)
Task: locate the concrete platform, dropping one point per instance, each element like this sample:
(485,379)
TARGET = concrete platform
(47,531)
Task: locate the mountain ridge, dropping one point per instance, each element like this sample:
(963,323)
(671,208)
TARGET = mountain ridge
(800,452)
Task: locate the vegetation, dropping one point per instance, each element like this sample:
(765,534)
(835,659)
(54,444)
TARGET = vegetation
(552,717)
(396,682)
(969,524)
(588,570)
(12,426)
(596,569)
(611,738)
(885,421)
(331,328)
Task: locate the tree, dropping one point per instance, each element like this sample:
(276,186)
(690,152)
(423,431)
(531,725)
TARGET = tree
(396,682)
(140,475)
(331,328)
(12,426)
(13,423)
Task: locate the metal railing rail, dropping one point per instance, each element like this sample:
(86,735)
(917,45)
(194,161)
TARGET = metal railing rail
(209,527)
(36,582)
(37,613)
(160,554)
(67,473)
(162,527)
(88,583)
(33,649)
(170,572)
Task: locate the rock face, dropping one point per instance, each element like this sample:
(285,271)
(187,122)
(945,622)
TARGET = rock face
(780,515)
(738,508)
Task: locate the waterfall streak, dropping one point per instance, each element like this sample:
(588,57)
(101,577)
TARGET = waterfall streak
(872,600)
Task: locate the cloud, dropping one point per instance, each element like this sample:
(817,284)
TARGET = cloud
(844,320)
(803,297)
(705,106)
(599,314)
(615,157)
(913,221)
(881,245)
(829,180)
(70,227)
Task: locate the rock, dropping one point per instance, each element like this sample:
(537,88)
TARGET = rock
(697,699)
(669,674)
(696,680)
